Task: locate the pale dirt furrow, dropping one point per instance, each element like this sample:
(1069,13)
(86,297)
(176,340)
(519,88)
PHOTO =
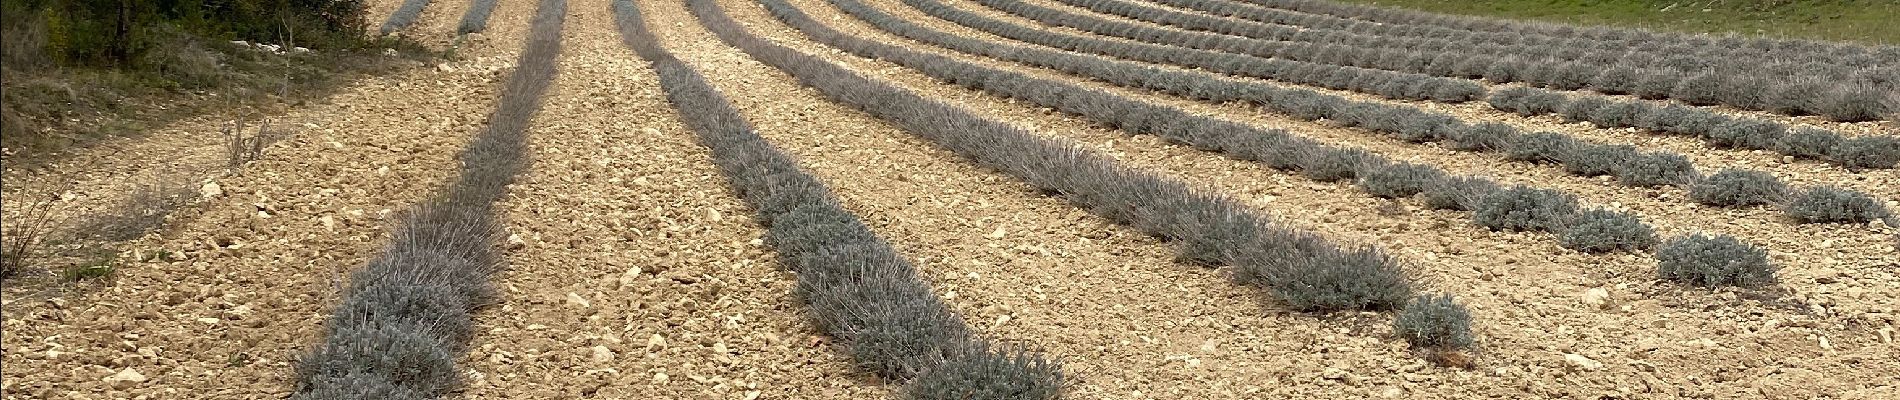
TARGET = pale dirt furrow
(1025,268)
(1654,339)
(218,302)
(101,178)
(634,272)
(1813,256)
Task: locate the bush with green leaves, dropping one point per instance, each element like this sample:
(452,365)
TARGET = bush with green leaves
(1523,208)
(1712,261)
(1402,179)
(1459,193)
(1654,169)
(1602,231)
(1737,188)
(1434,322)
(1833,204)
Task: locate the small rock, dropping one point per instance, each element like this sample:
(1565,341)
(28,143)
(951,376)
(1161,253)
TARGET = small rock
(444,67)
(1584,363)
(515,242)
(603,355)
(208,320)
(1886,334)
(211,190)
(577,300)
(1596,297)
(1333,374)
(390,53)
(125,379)
(656,342)
(997,234)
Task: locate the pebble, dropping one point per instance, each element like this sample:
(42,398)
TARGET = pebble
(1596,297)
(125,379)
(1583,363)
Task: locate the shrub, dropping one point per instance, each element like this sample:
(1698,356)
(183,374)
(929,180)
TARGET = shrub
(1400,180)
(1602,231)
(1587,159)
(1328,279)
(1793,98)
(1616,80)
(1733,188)
(1702,89)
(1832,204)
(1509,99)
(1746,134)
(979,373)
(1655,169)
(1522,208)
(1655,84)
(1434,322)
(1580,109)
(1539,147)
(1850,105)
(1459,193)
(1425,127)
(1867,152)
(1485,136)
(1542,102)
(1616,115)
(1333,164)
(1810,143)
(1713,261)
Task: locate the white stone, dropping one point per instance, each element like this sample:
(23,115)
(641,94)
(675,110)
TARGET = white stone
(1584,363)
(125,379)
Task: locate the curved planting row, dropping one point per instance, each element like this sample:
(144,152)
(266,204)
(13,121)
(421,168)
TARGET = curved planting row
(1839,100)
(1730,46)
(1303,270)
(1827,87)
(1734,50)
(1395,85)
(857,288)
(404,16)
(404,319)
(1630,166)
(1276,148)
(476,18)
(1878,152)
(1517,208)
(1874,152)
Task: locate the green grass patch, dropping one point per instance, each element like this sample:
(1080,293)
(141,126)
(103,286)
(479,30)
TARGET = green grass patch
(1863,21)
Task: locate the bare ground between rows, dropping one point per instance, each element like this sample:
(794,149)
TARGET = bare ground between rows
(1814,256)
(105,191)
(1883,184)
(637,274)
(1525,290)
(1864,128)
(218,302)
(1034,270)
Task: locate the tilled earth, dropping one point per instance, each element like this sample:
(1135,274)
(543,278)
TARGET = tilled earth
(633,272)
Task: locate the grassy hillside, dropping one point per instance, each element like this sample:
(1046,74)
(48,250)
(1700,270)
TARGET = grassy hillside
(1866,21)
